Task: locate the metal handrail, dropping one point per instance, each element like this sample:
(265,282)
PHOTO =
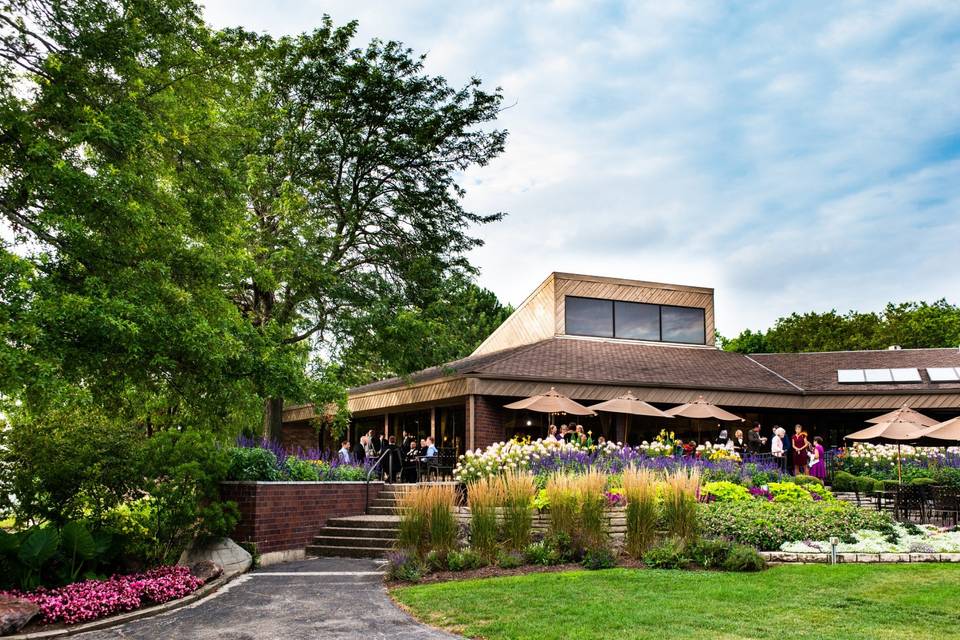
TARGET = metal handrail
(376,465)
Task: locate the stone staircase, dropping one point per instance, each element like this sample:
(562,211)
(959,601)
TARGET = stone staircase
(366,536)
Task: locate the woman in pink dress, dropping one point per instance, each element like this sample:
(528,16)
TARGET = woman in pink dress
(799,444)
(819,468)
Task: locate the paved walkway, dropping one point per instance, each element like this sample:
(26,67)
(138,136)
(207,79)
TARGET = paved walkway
(334,598)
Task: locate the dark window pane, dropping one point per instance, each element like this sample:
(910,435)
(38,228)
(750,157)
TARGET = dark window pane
(682,324)
(637,321)
(589,317)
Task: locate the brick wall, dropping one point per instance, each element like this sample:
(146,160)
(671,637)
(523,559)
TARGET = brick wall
(489,417)
(299,435)
(281,516)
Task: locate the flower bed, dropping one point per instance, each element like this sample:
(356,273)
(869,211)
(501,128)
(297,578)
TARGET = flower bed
(95,599)
(903,539)
(879,461)
(265,461)
(768,525)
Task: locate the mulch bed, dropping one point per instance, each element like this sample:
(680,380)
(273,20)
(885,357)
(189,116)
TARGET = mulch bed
(497,572)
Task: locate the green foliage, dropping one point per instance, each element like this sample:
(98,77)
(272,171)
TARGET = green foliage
(541,553)
(843,481)
(710,553)
(252,463)
(744,558)
(510,559)
(465,560)
(788,492)
(185,470)
(296,469)
(405,567)
(599,558)
(805,480)
(725,491)
(669,553)
(912,325)
(42,555)
(767,525)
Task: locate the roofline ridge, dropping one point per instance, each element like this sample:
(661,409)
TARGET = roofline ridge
(805,353)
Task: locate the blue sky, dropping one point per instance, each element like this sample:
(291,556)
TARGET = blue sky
(794,156)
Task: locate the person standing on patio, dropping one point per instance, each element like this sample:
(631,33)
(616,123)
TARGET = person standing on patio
(777,449)
(799,444)
(818,468)
(754,441)
(431,449)
(344,454)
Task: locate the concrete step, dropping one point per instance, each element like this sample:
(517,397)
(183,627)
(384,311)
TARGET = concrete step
(382,511)
(323,540)
(345,532)
(324,551)
(366,522)
(384,502)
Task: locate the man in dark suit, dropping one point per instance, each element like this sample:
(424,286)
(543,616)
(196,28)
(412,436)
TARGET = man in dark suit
(754,441)
(405,443)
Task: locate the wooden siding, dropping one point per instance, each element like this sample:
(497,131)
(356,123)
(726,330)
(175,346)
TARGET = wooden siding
(531,322)
(430,392)
(632,291)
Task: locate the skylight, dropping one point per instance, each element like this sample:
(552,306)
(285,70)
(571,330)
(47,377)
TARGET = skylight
(877,376)
(943,374)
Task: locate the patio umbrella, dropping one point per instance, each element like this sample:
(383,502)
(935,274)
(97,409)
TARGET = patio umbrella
(702,409)
(891,432)
(905,413)
(551,402)
(629,405)
(939,434)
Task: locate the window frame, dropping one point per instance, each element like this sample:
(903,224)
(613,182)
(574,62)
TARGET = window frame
(613,320)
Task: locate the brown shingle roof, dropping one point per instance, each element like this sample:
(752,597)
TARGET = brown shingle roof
(817,372)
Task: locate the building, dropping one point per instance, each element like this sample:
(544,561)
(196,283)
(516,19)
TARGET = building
(595,338)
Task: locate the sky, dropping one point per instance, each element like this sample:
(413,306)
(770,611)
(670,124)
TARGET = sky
(796,156)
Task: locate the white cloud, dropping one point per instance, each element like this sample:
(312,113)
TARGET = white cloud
(794,157)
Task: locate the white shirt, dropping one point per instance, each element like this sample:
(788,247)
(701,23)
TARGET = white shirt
(776,446)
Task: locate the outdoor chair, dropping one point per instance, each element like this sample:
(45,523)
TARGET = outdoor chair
(909,500)
(885,501)
(441,466)
(945,504)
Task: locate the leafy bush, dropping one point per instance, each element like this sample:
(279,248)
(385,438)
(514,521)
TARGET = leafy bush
(806,480)
(347,473)
(510,560)
(723,491)
(788,492)
(948,476)
(541,553)
(670,553)
(744,558)
(405,567)
(464,560)
(564,548)
(300,470)
(923,482)
(435,562)
(252,464)
(599,558)
(866,484)
(767,525)
(710,553)
(843,481)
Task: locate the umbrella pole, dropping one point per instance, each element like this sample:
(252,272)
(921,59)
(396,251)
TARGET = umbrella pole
(899,473)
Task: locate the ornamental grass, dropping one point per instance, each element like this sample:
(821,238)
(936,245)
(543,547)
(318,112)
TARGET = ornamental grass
(518,491)
(562,494)
(483,498)
(680,503)
(592,499)
(427,521)
(640,490)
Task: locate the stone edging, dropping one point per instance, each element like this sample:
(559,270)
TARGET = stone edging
(129,616)
(858,558)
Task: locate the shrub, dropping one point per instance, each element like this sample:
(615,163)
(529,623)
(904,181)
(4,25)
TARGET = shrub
(843,481)
(680,503)
(767,525)
(347,473)
(565,548)
(866,484)
(724,491)
(541,553)
(510,560)
(948,476)
(744,558)
(464,560)
(593,509)
(670,553)
(252,463)
(518,492)
(300,470)
(599,558)
(923,482)
(710,553)
(890,485)
(435,562)
(640,489)
(788,492)
(404,567)
(561,493)
(483,498)
(806,480)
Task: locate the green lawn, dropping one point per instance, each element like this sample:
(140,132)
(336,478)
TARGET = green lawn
(846,602)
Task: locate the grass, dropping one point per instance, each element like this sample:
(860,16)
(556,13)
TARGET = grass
(849,602)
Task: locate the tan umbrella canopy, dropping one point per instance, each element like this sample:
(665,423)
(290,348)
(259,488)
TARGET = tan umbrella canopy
(891,432)
(630,405)
(701,409)
(907,414)
(551,402)
(939,434)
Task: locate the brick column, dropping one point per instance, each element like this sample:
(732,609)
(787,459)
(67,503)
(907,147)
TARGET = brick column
(488,420)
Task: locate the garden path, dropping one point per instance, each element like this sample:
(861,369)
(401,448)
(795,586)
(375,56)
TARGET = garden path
(335,598)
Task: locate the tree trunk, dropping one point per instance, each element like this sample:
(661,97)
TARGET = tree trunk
(272,418)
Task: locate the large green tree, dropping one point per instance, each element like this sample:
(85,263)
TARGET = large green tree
(351,186)
(911,325)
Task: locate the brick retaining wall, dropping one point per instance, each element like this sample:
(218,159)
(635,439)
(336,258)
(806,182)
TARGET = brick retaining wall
(285,516)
